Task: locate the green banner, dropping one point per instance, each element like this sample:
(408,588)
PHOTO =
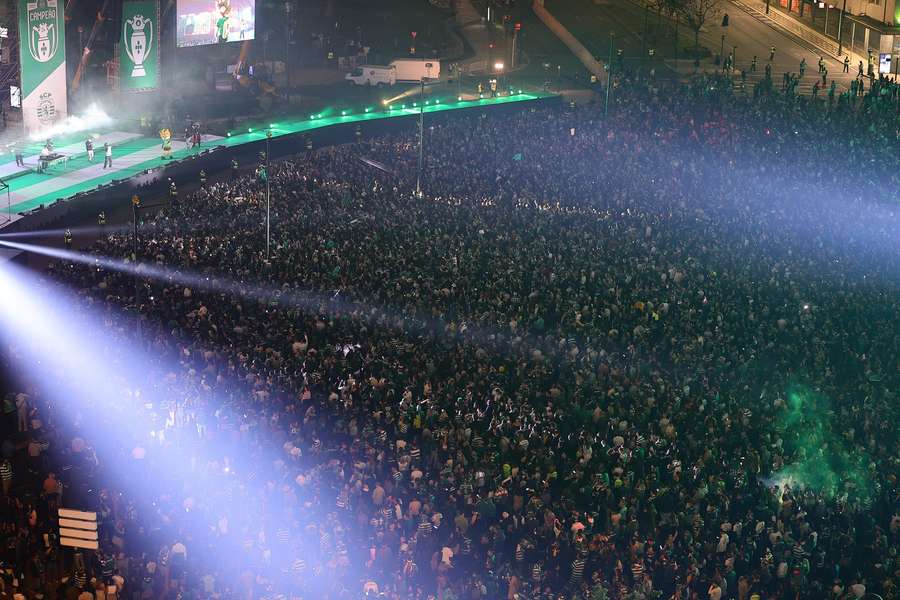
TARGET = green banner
(42,48)
(139,46)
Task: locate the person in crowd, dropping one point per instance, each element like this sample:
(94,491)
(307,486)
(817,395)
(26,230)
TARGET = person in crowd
(651,360)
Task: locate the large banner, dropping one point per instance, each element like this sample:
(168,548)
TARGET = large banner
(139,46)
(42,48)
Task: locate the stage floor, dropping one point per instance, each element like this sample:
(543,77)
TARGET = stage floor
(134,153)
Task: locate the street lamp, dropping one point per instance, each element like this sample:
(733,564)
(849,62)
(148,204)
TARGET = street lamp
(421,135)
(609,74)
(498,69)
(268,195)
(840,29)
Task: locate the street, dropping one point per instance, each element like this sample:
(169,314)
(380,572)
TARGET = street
(749,35)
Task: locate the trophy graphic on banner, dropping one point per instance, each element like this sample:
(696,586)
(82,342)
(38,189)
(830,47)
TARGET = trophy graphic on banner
(137,45)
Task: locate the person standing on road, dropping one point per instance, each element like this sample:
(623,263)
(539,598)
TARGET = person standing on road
(859,74)
(768,71)
(824,76)
(754,64)
(846,64)
(803,67)
(821,64)
(772,54)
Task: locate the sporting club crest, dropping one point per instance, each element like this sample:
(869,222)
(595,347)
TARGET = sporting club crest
(43,30)
(46,109)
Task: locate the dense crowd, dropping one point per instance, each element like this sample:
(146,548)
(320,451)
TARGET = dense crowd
(650,357)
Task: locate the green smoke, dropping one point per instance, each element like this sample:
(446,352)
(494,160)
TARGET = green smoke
(818,454)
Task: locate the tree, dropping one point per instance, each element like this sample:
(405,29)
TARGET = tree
(696,13)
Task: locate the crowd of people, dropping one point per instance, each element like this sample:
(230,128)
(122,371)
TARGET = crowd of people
(654,356)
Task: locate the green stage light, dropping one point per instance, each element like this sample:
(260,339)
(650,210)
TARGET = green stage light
(459,98)
(228,134)
(250,130)
(481,96)
(427,102)
(404,106)
(271,125)
(368,108)
(343,113)
(415,104)
(437,101)
(520,91)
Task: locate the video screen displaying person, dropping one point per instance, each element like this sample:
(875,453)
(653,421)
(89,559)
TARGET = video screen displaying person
(204,22)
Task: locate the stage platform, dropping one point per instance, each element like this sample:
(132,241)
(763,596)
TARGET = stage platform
(134,153)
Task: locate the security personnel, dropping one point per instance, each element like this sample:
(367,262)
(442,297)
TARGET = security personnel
(101,219)
(234,167)
(202,178)
(67,237)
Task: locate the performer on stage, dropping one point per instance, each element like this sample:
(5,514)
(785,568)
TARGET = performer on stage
(20,160)
(89,147)
(45,156)
(107,158)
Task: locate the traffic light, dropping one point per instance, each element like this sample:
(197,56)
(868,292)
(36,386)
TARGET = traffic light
(518,27)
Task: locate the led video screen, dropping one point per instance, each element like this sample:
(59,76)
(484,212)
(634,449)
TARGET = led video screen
(205,22)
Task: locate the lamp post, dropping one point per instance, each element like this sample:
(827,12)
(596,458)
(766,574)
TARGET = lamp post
(609,74)
(498,70)
(840,29)
(268,195)
(644,33)
(421,136)
(135,204)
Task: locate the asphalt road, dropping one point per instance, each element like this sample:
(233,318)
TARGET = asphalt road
(591,22)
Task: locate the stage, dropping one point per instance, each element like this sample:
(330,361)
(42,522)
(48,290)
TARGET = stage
(134,154)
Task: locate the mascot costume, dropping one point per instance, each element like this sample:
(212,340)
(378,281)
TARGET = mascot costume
(166,137)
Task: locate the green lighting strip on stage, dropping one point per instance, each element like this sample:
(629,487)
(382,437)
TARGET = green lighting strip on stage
(20,185)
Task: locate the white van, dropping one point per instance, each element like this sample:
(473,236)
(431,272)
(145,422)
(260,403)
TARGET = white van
(372,75)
